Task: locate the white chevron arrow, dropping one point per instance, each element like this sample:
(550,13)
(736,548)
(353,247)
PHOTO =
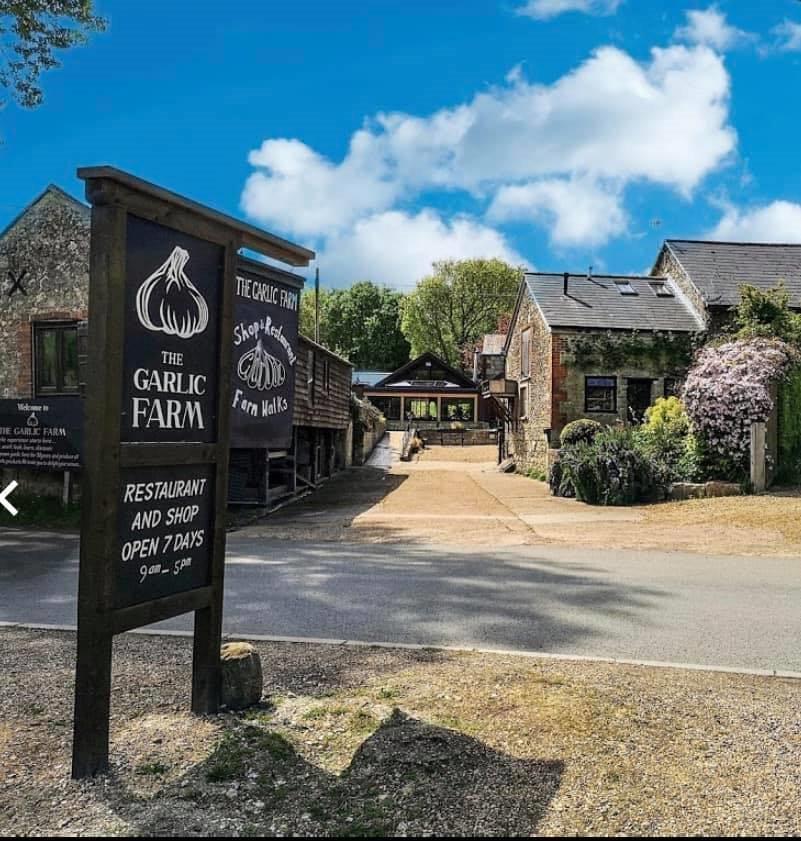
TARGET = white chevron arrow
(5,503)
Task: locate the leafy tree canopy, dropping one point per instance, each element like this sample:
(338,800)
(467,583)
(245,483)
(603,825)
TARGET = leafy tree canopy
(31,31)
(362,323)
(456,305)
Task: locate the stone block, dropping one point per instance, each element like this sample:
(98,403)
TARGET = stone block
(723,489)
(687,490)
(242,680)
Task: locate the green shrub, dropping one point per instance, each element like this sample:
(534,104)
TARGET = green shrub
(789,402)
(666,440)
(583,430)
(612,470)
(559,483)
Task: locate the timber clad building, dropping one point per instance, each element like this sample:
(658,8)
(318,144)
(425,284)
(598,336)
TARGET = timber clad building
(44,268)
(429,392)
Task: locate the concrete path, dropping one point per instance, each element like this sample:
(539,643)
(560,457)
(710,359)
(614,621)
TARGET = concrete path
(657,606)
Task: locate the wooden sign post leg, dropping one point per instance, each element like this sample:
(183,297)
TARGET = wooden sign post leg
(92,702)
(206,669)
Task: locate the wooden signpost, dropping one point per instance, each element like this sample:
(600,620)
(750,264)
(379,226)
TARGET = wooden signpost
(162,280)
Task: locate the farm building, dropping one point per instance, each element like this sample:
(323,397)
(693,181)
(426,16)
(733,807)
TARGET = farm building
(428,392)
(710,274)
(44,267)
(578,346)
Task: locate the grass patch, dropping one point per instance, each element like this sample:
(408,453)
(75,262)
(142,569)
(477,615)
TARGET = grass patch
(363,723)
(320,712)
(41,511)
(388,693)
(151,769)
(236,748)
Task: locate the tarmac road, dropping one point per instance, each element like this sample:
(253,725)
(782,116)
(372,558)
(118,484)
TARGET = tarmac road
(654,606)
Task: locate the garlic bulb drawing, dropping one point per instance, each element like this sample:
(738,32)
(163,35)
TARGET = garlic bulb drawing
(168,302)
(261,370)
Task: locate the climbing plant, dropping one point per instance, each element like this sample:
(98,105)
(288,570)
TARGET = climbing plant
(728,388)
(789,456)
(660,351)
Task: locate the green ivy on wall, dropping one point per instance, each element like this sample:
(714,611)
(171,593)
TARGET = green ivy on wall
(789,460)
(661,351)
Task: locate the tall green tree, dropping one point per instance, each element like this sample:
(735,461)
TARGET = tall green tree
(455,306)
(31,33)
(362,323)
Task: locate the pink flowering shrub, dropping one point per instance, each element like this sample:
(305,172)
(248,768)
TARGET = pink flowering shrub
(727,389)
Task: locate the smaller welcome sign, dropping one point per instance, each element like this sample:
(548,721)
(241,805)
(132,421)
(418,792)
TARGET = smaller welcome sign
(42,433)
(265,347)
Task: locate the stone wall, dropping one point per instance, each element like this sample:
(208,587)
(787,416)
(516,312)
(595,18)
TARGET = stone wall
(569,386)
(668,266)
(48,250)
(529,444)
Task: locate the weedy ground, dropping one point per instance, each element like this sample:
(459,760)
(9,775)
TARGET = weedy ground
(353,741)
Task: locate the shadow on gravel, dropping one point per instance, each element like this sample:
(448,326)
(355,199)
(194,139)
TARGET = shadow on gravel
(408,777)
(336,503)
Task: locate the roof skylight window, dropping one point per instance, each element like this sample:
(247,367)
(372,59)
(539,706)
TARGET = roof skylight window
(625,287)
(661,289)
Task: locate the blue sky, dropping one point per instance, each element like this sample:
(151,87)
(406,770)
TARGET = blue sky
(555,133)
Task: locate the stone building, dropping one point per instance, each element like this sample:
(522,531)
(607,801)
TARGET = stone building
(44,267)
(710,274)
(603,347)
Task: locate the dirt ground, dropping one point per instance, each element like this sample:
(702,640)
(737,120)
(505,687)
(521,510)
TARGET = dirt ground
(457,496)
(358,741)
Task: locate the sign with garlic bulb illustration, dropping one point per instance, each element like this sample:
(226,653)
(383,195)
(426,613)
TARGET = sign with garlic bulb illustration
(171,335)
(168,302)
(265,353)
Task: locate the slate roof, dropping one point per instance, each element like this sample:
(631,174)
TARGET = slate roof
(493,344)
(717,269)
(598,303)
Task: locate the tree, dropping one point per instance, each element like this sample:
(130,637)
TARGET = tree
(361,323)
(455,306)
(30,33)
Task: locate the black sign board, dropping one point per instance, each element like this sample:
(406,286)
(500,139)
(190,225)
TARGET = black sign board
(172,314)
(157,420)
(265,347)
(166,525)
(43,433)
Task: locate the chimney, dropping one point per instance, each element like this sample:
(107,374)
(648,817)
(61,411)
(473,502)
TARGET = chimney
(564,288)
(589,273)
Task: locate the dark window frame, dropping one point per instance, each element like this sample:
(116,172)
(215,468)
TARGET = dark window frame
(61,329)
(450,401)
(614,389)
(673,391)
(525,352)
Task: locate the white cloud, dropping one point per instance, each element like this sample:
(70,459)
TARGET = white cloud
(295,185)
(398,248)
(779,221)
(544,9)
(609,122)
(710,27)
(788,36)
(577,211)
